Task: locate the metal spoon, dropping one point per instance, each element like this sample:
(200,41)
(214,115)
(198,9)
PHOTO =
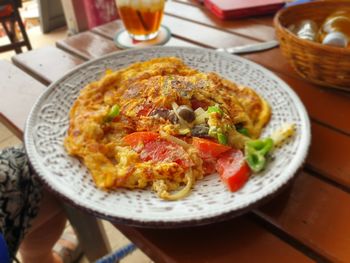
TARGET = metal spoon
(250,48)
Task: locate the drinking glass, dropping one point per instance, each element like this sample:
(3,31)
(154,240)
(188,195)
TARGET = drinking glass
(141,18)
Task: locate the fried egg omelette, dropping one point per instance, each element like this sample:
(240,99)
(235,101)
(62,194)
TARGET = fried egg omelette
(134,127)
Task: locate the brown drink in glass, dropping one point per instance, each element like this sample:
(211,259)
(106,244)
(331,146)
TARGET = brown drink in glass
(141,18)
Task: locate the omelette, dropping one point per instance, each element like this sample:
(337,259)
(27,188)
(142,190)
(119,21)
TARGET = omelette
(139,126)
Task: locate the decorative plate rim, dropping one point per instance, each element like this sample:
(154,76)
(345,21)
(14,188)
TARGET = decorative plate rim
(295,164)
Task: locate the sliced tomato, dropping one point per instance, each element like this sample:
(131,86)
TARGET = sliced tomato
(144,110)
(233,169)
(152,147)
(136,138)
(209,149)
(161,150)
(209,166)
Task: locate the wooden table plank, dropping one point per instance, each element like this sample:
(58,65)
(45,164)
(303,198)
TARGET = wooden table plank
(316,213)
(109,30)
(329,154)
(87,45)
(252,229)
(310,188)
(202,35)
(268,58)
(243,27)
(326,106)
(174,41)
(43,64)
(263,20)
(15,108)
(235,240)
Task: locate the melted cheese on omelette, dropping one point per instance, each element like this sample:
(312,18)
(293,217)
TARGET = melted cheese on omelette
(146,93)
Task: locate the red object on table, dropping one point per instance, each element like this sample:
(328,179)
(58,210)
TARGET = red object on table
(226,9)
(100,11)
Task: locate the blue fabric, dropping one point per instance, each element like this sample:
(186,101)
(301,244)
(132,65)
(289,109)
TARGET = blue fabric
(118,255)
(4,253)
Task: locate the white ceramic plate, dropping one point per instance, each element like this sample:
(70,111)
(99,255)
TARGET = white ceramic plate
(209,201)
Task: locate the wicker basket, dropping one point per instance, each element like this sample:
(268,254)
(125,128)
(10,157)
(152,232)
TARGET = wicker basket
(324,65)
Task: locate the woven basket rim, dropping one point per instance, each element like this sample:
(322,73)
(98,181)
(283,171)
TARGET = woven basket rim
(313,44)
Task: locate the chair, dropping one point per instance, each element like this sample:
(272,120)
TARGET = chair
(9,15)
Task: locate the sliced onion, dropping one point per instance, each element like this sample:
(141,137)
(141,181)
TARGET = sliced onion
(285,131)
(200,119)
(181,193)
(199,111)
(173,139)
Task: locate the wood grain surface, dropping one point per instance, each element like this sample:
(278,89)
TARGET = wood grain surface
(317,214)
(243,27)
(87,45)
(238,240)
(46,64)
(307,222)
(18,92)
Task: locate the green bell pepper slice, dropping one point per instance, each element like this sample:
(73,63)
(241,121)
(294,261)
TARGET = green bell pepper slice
(243,131)
(215,108)
(222,138)
(113,112)
(256,152)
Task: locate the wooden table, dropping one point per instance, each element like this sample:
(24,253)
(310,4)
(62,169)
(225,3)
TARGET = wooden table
(309,221)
